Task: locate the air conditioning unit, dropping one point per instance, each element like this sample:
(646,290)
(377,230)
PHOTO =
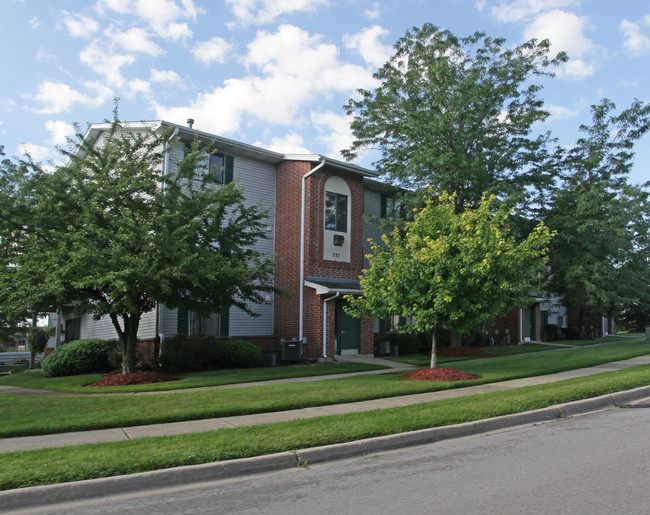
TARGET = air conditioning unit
(291,350)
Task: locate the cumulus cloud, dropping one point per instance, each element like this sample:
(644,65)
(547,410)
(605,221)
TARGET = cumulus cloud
(57,97)
(105,63)
(334,130)
(213,50)
(137,86)
(37,152)
(563,112)
(259,12)
(518,10)
(636,36)
(59,131)
(169,76)
(288,70)
(78,25)
(137,40)
(163,16)
(368,44)
(291,143)
(34,22)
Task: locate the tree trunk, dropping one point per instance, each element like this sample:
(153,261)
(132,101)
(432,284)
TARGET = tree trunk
(129,359)
(434,350)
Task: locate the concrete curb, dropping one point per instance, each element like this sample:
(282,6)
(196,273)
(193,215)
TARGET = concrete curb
(119,485)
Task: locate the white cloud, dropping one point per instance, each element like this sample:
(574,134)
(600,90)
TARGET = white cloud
(564,29)
(57,97)
(334,130)
(636,40)
(289,69)
(163,16)
(213,50)
(576,69)
(137,40)
(43,55)
(169,76)
(259,12)
(367,43)
(563,112)
(34,22)
(79,25)
(291,143)
(60,131)
(106,64)
(137,86)
(37,152)
(518,10)
(374,12)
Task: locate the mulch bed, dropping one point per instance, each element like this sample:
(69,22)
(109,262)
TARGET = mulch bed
(116,378)
(439,374)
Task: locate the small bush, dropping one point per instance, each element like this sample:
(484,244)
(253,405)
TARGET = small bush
(201,352)
(571,333)
(78,357)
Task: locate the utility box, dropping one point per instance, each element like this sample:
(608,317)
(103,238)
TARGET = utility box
(291,350)
(647,334)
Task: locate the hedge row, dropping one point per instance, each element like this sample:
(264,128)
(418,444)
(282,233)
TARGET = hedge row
(204,352)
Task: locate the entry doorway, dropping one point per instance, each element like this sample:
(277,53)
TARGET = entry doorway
(348,331)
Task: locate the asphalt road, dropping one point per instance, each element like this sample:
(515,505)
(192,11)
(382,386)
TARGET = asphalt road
(594,463)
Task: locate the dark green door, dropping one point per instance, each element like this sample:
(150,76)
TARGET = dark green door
(348,331)
(529,323)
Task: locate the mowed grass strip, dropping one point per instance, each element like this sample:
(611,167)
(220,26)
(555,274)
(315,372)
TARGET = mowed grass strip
(76,384)
(49,466)
(24,416)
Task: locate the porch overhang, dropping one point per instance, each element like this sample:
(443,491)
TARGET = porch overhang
(328,286)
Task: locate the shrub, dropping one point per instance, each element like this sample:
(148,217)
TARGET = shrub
(78,357)
(200,352)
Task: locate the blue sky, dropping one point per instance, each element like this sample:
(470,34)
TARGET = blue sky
(276,73)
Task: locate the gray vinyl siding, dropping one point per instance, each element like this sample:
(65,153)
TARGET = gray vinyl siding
(257,179)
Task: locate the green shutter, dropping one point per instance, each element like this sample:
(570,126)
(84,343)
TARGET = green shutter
(229,164)
(383,207)
(224,322)
(181,323)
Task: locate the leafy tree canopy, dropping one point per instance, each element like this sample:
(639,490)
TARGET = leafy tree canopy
(460,270)
(117,229)
(601,255)
(456,114)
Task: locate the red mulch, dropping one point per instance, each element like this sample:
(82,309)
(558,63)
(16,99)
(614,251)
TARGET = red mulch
(462,352)
(439,374)
(116,378)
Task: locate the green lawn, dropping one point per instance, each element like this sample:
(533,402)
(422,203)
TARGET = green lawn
(58,465)
(22,416)
(76,384)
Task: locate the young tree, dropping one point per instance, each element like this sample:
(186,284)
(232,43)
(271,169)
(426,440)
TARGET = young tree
(600,255)
(114,232)
(460,270)
(456,114)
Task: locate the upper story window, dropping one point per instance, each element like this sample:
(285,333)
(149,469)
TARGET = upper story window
(220,167)
(336,212)
(391,208)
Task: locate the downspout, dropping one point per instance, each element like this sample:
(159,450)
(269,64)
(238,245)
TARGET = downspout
(159,335)
(302,250)
(325,301)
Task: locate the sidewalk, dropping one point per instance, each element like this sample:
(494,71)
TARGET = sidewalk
(196,426)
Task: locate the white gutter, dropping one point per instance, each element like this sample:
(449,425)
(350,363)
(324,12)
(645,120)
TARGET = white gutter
(302,251)
(338,293)
(162,188)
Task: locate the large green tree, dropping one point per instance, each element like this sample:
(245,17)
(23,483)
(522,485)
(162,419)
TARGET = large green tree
(115,232)
(599,258)
(461,270)
(457,115)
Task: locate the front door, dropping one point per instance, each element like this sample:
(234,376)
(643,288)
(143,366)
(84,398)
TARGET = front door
(348,331)
(529,323)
